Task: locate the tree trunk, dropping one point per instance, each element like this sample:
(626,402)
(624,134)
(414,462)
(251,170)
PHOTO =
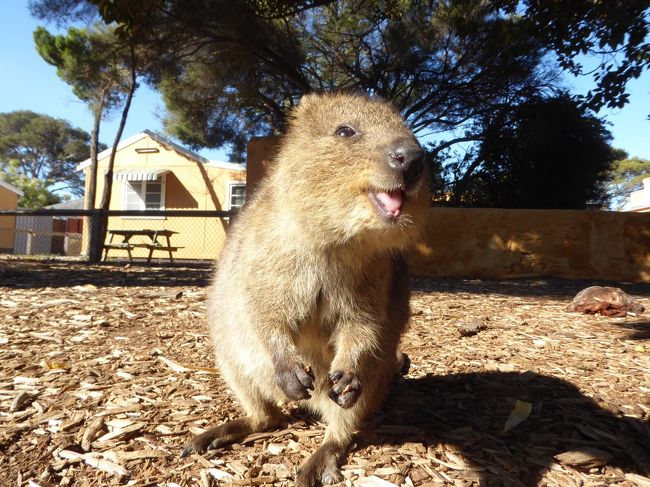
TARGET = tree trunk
(108,179)
(93,246)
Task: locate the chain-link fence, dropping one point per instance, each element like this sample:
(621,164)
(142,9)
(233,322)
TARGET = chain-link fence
(161,236)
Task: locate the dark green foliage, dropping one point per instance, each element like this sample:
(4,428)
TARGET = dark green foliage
(547,153)
(89,60)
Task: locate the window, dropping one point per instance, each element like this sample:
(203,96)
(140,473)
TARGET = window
(236,196)
(144,195)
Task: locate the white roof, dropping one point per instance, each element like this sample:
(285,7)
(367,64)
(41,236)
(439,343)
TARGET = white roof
(11,188)
(233,166)
(168,143)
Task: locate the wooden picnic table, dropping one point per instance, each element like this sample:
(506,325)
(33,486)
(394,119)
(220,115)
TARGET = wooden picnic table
(152,244)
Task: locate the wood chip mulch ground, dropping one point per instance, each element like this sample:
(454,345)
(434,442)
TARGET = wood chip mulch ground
(105,372)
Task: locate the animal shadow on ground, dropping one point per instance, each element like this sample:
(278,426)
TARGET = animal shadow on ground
(469,411)
(639,330)
(542,287)
(37,274)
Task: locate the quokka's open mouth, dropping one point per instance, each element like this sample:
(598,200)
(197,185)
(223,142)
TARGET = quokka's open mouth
(388,203)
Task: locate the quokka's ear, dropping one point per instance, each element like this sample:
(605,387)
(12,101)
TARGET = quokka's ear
(307,106)
(309,99)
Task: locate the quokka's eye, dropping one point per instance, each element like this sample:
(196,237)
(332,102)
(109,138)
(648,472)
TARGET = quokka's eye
(345,131)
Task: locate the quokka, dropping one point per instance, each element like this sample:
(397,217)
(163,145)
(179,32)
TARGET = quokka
(311,295)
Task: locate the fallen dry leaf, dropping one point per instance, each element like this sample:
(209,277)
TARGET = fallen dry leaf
(519,414)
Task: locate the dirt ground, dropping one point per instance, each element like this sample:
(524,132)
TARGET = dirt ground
(105,372)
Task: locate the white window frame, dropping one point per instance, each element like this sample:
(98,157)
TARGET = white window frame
(163,184)
(231,185)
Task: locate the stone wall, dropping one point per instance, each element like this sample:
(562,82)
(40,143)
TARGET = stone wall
(495,243)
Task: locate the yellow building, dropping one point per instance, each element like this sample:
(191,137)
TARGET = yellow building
(154,173)
(8,201)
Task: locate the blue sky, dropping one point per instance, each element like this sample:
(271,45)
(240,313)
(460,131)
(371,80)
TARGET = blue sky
(27,82)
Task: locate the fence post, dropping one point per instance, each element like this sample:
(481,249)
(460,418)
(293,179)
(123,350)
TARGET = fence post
(95,246)
(29,244)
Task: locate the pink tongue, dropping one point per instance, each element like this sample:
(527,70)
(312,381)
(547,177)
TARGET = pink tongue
(391,201)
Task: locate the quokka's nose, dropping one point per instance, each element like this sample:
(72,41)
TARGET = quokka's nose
(407,159)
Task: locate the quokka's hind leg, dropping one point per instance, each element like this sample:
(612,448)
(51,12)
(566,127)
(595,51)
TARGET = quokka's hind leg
(322,468)
(263,416)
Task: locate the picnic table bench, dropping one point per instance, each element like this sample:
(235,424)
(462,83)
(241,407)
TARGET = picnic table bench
(152,244)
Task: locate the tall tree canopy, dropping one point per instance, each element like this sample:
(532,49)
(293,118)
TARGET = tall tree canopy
(229,70)
(615,31)
(39,155)
(88,59)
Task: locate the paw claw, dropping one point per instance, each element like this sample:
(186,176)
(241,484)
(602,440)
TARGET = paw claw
(335,376)
(345,388)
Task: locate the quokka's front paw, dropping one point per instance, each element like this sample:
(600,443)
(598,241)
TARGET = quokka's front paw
(345,388)
(295,380)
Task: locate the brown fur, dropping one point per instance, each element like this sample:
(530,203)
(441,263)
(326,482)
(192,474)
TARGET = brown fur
(311,294)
